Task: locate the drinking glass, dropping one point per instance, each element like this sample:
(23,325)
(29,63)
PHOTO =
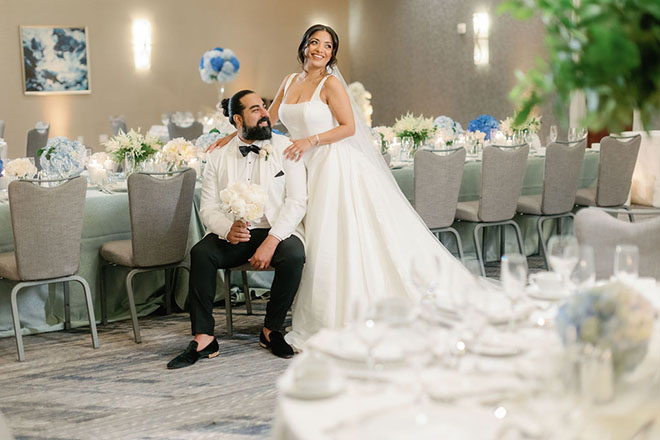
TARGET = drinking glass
(369,331)
(584,274)
(129,164)
(572,134)
(563,255)
(407,143)
(552,137)
(492,135)
(514,280)
(626,262)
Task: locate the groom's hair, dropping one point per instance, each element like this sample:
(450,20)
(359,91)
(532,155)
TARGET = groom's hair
(305,42)
(233,106)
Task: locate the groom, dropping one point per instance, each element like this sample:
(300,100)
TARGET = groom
(254,156)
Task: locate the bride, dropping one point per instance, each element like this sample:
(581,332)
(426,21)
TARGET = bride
(364,241)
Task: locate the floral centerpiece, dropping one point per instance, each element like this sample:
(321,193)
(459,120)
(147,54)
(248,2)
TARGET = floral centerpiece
(218,65)
(20,168)
(418,128)
(62,157)
(613,317)
(244,201)
(386,137)
(447,130)
(362,99)
(205,140)
(483,123)
(177,152)
(140,146)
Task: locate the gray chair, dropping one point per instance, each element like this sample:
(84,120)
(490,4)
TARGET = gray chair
(37,138)
(47,224)
(387,157)
(2,129)
(437,183)
(598,229)
(160,211)
(615,169)
(248,301)
(117,124)
(502,173)
(188,133)
(563,163)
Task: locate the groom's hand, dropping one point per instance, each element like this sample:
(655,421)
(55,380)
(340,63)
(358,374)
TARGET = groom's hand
(263,255)
(238,233)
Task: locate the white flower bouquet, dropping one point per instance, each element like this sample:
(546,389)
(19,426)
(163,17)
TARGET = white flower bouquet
(177,152)
(20,168)
(244,201)
(62,157)
(419,128)
(140,146)
(362,100)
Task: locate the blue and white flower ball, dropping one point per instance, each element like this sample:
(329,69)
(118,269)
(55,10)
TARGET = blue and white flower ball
(483,123)
(205,140)
(218,65)
(63,157)
(446,123)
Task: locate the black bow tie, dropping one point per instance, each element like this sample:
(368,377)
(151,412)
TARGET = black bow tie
(245,149)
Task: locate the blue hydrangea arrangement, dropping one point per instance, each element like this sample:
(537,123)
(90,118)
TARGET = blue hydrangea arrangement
(205,140)
(483,123)
(614,317)
(63,157)
(445,123)
(218,65)
(2,167)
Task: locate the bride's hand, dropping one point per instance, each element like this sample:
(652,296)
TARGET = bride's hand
(297,149)
(220,142)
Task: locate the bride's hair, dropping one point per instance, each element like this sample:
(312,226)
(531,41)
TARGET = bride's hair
(233,106)
(305,42)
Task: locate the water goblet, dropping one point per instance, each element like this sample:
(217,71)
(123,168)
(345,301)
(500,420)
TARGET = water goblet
(572,134)
(407,143)
(514,280)
(626,263)
(552,137)
(129,164)
(563,255)
(584,274)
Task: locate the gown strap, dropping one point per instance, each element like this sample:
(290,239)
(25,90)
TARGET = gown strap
(288,83)
(317,93)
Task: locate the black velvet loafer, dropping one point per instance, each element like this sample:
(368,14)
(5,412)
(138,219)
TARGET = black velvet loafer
(191,355)
(277,344)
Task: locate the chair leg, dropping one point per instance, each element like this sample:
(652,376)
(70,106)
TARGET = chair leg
(518,237)
(502,240)
(630,216)
(67,306)
(484,246)
(459,244)
(246,289)
(228,303)
(90,310)
(17,322)
(558,226)
(131,303)
(169,281)
(477,247)
(104,300)
(542,246)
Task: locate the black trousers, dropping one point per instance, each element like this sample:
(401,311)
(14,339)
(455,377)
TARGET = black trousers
(213,253)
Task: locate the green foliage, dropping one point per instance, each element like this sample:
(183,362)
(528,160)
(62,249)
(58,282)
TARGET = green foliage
(609,49)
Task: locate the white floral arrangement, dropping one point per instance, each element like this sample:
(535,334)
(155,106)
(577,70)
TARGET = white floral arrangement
(478,138)
(177,151)
(506,127)
(244,201)
(218,65)
(532,125)
(419,128)
(62,157)
(265,151)
(140,146)
(384,137)
(362,99)
(20,168)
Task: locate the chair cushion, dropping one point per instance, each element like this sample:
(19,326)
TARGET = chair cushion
(118,252)
(586,197)
(468,211)
(8,268)
(530,204)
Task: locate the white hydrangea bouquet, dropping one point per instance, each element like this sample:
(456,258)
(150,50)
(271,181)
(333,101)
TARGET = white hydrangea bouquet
(21,168)
(177,152)
(244,201)
(140,146)
(419,128)
(447,130)
(63,157)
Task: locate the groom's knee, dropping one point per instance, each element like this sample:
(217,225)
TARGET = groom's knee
(290,253)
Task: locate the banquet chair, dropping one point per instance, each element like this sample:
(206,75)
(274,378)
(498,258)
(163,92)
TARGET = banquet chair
(563,163)
(117,124)
(37,138)
(2,129)
(188,133)
(615,170)
(387,157)
(437,183)
(47,225)
(502,173)
(244,268)
(160,207)
(598,229)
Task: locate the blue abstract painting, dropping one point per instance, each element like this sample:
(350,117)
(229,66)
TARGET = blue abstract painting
(55,59)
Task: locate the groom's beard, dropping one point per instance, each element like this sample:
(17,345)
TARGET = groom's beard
(258,133)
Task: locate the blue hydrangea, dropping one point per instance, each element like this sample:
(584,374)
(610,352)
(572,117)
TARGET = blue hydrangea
(63,157)
(218,65)
(205,140)
(445,122)
(483,123)
(2,167)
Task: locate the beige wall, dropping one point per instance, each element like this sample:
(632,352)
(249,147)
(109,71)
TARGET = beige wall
(263,33)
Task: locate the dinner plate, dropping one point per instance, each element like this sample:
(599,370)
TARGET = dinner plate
(545,295)
(322,390)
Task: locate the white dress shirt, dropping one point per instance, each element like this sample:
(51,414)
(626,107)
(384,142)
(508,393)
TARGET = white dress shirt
(248,171)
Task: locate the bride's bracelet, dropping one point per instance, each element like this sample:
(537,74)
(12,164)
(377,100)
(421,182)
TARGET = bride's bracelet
(315,142)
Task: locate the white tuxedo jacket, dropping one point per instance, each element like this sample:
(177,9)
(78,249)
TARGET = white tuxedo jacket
(284,181)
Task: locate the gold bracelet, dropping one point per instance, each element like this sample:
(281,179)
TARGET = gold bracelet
(318,141)
(311,143)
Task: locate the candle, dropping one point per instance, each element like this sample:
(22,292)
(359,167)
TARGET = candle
(97,174)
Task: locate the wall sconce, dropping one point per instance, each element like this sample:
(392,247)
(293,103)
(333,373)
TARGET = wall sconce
(481,24)
(142,44)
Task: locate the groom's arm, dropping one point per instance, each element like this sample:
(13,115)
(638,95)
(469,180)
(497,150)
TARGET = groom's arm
(214,217)
(295,200)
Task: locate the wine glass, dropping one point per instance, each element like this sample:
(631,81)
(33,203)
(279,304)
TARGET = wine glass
(369,331)
(572,134)
(407,143)
(514,280)
(129,164)
(552,137)
(626,263)
(584,274)
(563,255)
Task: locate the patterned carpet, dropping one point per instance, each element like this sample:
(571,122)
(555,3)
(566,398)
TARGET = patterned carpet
(67,390)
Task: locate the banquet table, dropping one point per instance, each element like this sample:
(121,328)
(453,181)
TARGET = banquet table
(470,394)
(470,187)
(646,176)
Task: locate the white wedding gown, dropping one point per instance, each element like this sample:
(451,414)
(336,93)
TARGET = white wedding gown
(363,241)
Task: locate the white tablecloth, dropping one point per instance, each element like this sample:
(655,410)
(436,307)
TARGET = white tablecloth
(646,177)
